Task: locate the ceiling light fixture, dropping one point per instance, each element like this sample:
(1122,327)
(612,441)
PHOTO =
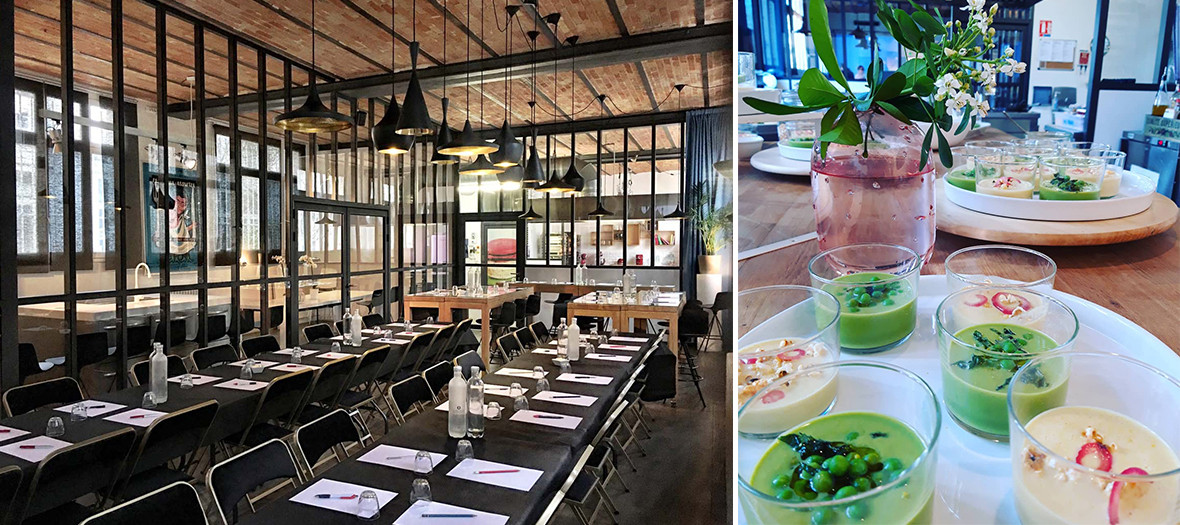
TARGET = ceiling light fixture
(313,116)
(467,143)
(600,211)
(444,136)
(555,184)
(533,174)
(572,178)
(386,139)
(511,150)
(415,117)
(678,214)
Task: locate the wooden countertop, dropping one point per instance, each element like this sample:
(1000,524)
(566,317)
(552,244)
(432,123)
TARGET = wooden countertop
(1139,280)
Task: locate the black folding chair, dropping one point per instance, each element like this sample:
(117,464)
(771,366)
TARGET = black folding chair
(316,332)
(528,340)
(532,306)
(361,391)
(174,436)
(508,347)
(176,504)
(373,320)
(330,381)
(176,338)
(412,358)
(540,332)
(437,376)
(10,484)
(332,431)
(438,347)
(87,467)
(209,357)
(280,402)
(234,479)
(260,345)
(140,373)
(215,328)
(51,393)
(466,360)
(462,328)
(408,395)
(139,340)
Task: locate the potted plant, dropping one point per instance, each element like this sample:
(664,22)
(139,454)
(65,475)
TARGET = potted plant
(712,216)
(872,179)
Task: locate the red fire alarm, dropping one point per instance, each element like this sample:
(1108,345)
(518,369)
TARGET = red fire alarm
(1084,57)
(1044,28)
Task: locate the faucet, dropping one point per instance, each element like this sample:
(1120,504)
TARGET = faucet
(149,276)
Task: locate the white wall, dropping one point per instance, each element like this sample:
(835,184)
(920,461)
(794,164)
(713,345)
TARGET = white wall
(1119,111)
(1072,20)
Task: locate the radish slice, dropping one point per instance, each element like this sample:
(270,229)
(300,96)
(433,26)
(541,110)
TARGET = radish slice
(1098,450)
(1008,302)
(1112,509)
(979,300)
(792,354)
(772,396)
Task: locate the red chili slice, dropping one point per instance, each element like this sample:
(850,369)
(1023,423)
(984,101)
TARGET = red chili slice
(792,354)
(772,396)
(1112,509)
(979,300)
(1008,302)
(1097,450)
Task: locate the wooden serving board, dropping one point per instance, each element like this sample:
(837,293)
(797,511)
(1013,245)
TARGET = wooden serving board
(952,218)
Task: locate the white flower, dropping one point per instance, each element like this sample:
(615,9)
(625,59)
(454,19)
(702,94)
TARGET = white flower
(1012,67)
(974,5)
(980,106)
(949,51)
(1008,51)
(986,75)
(958,101)
(948,87)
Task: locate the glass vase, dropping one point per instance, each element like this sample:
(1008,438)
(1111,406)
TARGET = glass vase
(878,193)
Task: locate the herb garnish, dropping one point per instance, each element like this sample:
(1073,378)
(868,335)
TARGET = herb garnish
(1007,343)
(1065,183)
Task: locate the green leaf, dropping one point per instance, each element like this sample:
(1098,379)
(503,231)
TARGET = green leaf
(944,149)
(846,131)
(894,112)
(816,91)
(774,108)
(829,119)
(926,148)
(821,36)
(891,87)
(928,23)
(913,35)
(964,123)
(923,86)
(912,107)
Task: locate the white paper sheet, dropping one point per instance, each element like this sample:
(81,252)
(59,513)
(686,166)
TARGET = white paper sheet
(242,384)
(7,433)
(522,480)
(94,408)
(288,351)
(624,348)
(500,390)
(608,357)
(402,458)
(624,339)
(37,454)
(549,419)
(198,379)
(293,367)
(445,406)
(394,341)
(257,363)
(565,398)
(341,338)
(347,506)
(333,355)
(136,417)
(516,372)
(585,378)
(410,334)
(545,351)
(413,515)
(435,326)
(371,331)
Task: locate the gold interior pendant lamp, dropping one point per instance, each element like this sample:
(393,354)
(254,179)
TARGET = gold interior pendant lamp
(482,165)
(313,116)
(467,143)
(386,139)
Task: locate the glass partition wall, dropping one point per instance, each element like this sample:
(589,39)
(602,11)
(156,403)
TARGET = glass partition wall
(188,217)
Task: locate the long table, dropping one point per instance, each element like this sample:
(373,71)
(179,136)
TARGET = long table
(445,303)
(666,308)
(549,449)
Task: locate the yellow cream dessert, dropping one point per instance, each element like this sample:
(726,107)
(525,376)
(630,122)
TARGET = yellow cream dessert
(1005,187)
(788,404)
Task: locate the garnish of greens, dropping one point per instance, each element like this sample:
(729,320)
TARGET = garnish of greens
(1065,183)
(867,294)
(1010,344)
(833,470)
(951,68)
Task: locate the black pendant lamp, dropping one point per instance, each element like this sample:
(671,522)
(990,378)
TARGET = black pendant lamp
(386,139)
(531,215)
(511,178)
(511,150)
(533,174)
(480,166)
(599,211)
(678,214)
(572,178)
(444,128)
(555,184)
(313,116)
(467,143)
(415,117)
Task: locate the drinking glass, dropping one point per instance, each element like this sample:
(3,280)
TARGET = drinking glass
(1058,137)
(336,348)
(247,369)
(430,319)
(1089,170)
(877,287)
(149,400)
(296,355)
(368,506)
(870,396)
(55,427)
(1023,167)
(1083,148)
(492,411)
(186,381)
(515,390)
(78,412)
(554,280)
(463,450)
(423,463)
(782,328)
(1112,181)
(984,335)
(1000,265)
(591,282)
(420,490)
(1104,402)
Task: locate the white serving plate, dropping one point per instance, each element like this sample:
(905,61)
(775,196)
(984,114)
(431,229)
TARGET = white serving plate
(974,476)
(952,140)
(769,160)
(793,153)
(1134,196)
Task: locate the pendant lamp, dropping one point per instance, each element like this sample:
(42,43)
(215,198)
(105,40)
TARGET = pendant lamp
(572,178)
(386,139)
(480,166)
(533,174)
(415,117)
(599,211)
(511,150)
(678,214)
(511,178)
(444,128)
(313,116)
(555,184)
(467,143)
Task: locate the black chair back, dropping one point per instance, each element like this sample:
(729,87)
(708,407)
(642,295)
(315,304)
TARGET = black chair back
(420,314)
(331,380)
(532,305)
(66,474)
(92,348)
(29,363)
(214,355)
(564,297)
(540,332)
(661,375)
(139,340)
(172,436)
(233,479)
(466,360)
(373,320)
(528,341)
(281,399)
(694,322)
(10,481)
(416,352)
(510,345)
(722,301)
(369,366)
(339,327)
(521,305)
(408,392)
(437,376)
(316,438)
(51,393)
(176,338)
(246,323)
(176,504)
(215,328)
(507,315)
(259,345)
(438,347)
(316,332)
(141,371)
(276,316)
(461,329)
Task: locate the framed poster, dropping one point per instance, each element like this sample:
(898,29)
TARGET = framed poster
(170,217)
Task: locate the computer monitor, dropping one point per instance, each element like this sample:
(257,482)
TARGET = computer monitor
(1065,96)
(1042,95)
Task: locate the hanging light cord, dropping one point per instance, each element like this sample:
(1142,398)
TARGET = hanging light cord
(444,57)
(508,53)
(482,70)
(467,96)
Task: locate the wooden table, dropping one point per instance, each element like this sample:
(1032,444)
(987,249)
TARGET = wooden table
(1138,279)
(445,302)
(576,289)
(668,309)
